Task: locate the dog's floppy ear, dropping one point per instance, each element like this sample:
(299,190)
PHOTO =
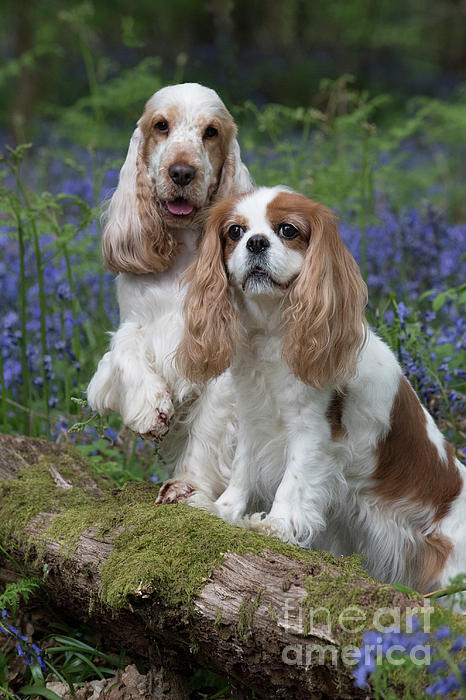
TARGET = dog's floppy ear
(134,239)
(211,319)
(325,323)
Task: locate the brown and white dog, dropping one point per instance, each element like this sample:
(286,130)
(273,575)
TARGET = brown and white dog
(183,157)
(333,442)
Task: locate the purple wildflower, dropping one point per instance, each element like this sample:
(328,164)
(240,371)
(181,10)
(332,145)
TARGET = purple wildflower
(443,633)
(459,644)
(443,686)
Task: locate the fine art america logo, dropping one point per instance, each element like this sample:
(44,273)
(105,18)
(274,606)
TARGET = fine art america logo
(320,624)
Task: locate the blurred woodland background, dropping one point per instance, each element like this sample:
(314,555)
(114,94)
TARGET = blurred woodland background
(267,50)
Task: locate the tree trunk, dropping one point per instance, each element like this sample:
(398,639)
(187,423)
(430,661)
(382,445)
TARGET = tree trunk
(175,586)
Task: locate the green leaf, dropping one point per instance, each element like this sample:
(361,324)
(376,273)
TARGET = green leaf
(37,675)
(39,690)
(439,301)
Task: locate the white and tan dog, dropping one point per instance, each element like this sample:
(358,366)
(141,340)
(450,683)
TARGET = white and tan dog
(183,157)
(333,442)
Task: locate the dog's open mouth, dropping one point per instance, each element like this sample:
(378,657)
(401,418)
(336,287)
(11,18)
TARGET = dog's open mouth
(258,274)
(180,207)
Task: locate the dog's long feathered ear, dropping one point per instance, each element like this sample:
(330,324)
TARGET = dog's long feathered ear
(134,239)
(211,320)
(235,178)
(325,324)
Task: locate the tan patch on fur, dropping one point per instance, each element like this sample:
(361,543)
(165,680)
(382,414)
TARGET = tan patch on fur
(147,123)
(296,244)
(218,146)
(408,463)
(335,414)
(437,550)
(290,208)
(229,245)
(218,149)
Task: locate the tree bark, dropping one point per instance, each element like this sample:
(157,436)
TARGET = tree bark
(250,619)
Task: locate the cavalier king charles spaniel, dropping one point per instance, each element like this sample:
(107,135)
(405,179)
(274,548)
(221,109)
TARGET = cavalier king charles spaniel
(333,442)
(183,156)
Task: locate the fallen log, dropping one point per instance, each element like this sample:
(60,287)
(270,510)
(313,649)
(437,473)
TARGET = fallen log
(174,585)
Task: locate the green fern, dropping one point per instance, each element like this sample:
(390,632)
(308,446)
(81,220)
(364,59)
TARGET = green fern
(12,593)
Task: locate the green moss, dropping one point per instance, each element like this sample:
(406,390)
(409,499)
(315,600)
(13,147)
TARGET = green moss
(169,551)
(246,613)
(336,591)
(218,616)
(272,613)
(34,491)
(172,550)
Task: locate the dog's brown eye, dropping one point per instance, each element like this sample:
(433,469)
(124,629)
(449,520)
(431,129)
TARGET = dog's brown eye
(162,127)
(210,132)
(235,232)
(288,231)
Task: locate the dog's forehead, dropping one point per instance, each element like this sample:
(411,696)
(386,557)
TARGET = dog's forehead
(188,102)
(254,206)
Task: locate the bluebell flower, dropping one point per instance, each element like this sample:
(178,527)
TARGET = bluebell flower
(443,633)
(389,317)
(443,686)
(361,674)
(459,644)
(402,311)
(436,666)
(112,435)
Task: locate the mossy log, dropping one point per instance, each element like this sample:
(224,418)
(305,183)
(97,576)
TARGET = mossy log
(176,586)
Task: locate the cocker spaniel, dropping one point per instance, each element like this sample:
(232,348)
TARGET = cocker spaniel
(183,156)
(333,441)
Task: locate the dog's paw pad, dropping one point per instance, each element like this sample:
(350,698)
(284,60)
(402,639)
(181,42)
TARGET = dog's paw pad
(174,491)
(158,429)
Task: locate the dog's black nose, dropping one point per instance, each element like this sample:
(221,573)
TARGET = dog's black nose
(181,173)
(256,244)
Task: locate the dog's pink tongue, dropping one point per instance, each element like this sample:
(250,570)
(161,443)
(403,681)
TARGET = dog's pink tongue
(180,207)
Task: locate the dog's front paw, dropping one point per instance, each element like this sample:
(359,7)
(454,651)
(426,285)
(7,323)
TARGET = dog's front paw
(160,426)
(230,512)
(174,491)
(266,525)
(286,529)
(152,420)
